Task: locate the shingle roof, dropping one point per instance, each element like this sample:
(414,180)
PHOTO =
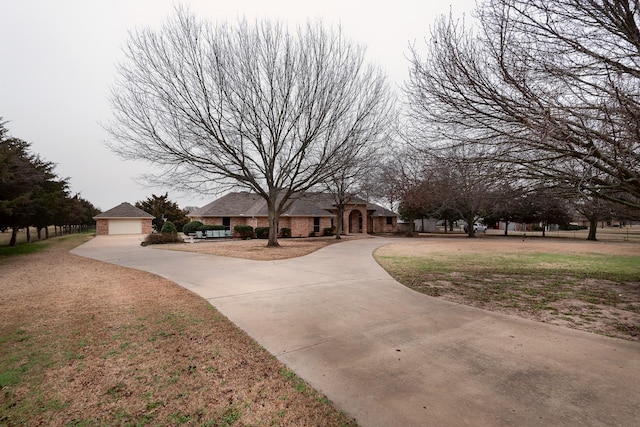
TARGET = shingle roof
(232,204)
(251,204)
(379,210)
(124,210)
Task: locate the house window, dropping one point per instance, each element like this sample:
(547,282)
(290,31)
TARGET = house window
(389,220)
(316,224)
(226,222)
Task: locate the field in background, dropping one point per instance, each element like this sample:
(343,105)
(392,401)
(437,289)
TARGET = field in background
(22,235)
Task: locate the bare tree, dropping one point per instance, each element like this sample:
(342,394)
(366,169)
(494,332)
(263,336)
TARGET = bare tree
(354,177)
(550,86)
(399,180)
(256,106)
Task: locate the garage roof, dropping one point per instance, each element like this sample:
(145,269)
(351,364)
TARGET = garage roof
(124,210)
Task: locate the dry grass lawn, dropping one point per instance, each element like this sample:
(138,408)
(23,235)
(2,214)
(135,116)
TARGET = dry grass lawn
(591,286)
(88,343)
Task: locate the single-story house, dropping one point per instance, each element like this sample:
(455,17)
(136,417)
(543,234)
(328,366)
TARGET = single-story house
(312,213)
(123,219)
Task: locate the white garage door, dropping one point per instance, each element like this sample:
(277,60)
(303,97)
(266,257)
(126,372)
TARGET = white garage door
(125,226)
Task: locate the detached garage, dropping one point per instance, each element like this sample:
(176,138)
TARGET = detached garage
(123,219)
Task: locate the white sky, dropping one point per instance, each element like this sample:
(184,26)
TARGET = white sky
(57,63)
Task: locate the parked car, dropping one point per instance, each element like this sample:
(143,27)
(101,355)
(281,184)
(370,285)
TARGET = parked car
(477,227)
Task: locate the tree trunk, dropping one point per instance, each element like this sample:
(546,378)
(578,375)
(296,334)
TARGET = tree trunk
(14,236)
(506,228)
(472,231)
(46,232)
(593,227)
(274,219)
(412,226)
(339,221)
(39,232)
(28,234)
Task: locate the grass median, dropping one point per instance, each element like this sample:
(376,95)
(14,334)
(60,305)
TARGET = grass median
(596,292)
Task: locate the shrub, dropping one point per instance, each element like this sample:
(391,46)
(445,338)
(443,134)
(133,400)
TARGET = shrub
(160,238)
(191,227)
(210,227)
(262,232)
(245,231)
(329,231)
(313,234)
(168,227)
(285,232)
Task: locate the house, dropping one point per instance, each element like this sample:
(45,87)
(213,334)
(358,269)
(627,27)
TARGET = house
(312,213)
(123,219)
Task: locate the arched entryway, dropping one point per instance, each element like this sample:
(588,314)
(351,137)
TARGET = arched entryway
(355,221)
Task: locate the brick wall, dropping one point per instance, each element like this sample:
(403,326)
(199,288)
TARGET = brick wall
(300,226)
(380,224)
(147,226)
(102,227)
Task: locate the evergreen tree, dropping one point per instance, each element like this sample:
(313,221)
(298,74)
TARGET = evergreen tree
(163,210)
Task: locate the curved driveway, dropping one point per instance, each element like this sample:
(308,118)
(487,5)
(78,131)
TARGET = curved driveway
(389,356)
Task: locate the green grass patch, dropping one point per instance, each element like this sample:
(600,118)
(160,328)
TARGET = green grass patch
(599,266)
(23,248)
(69,240)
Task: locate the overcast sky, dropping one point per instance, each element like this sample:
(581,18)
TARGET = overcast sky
(57,63)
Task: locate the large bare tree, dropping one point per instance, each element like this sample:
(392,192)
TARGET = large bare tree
(552,86)
(250,105)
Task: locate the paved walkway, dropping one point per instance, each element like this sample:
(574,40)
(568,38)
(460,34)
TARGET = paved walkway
(392,357)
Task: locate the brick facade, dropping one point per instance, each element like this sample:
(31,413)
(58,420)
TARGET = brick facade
(379,224)
(305,216)
(300,226)
(102,226)
(147,226)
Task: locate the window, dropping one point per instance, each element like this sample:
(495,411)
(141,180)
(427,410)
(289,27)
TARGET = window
(316,224)
(226,222)
(389,220)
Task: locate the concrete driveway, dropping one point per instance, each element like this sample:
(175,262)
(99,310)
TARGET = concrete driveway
(389,356)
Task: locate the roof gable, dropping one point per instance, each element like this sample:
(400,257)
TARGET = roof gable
(124,210)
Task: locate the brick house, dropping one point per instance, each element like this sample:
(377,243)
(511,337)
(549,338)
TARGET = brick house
(123,219)
(312,213)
